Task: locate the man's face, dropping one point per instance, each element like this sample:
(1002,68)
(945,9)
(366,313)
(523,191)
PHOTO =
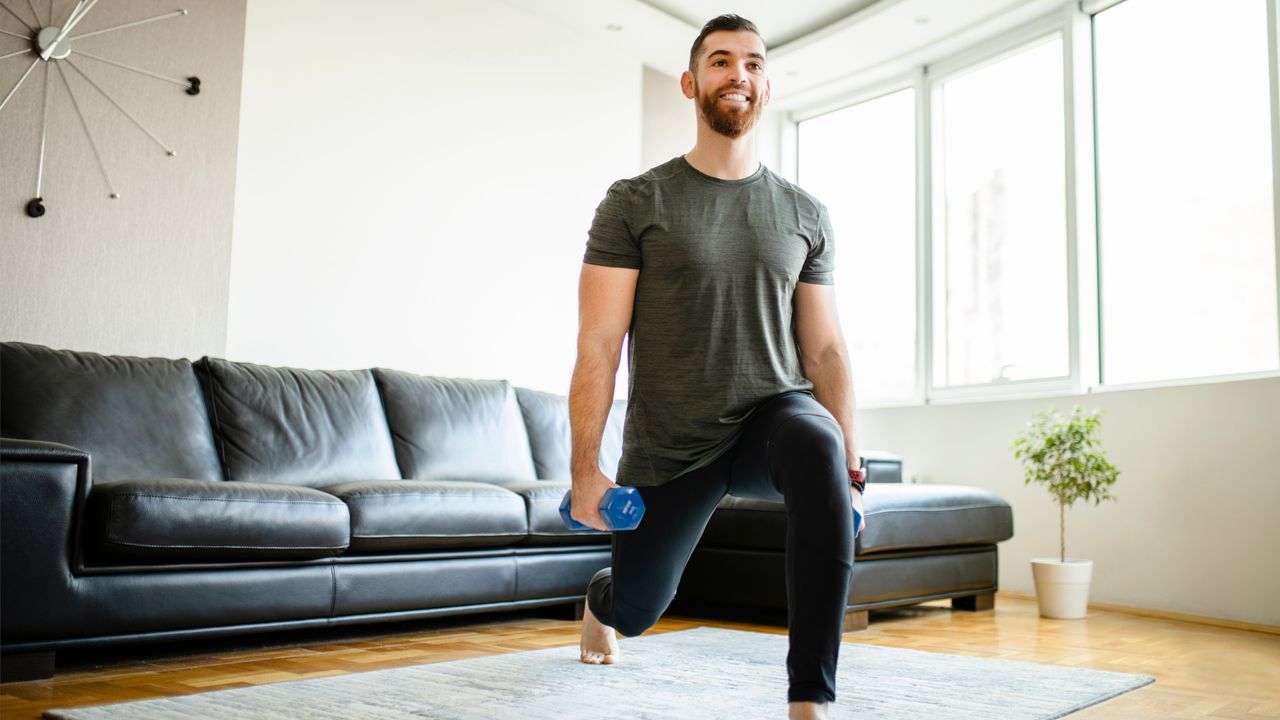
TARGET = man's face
(729,82)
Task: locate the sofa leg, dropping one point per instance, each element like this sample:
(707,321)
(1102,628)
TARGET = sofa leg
(17,667)
(855,620)
(563,611)
(972,603)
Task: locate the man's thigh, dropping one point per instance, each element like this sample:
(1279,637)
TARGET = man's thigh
(750,470)
(649,560)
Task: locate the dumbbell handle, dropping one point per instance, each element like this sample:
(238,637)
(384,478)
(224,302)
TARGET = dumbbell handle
(621,509)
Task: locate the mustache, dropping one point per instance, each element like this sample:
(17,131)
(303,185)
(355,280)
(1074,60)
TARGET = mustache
(740,89)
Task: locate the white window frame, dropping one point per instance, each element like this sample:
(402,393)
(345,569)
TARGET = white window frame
(964,62)
(1074,22)
(791,142)
(1273,51)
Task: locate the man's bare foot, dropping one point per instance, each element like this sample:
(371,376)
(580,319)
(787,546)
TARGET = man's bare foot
(599,643)
(806,711)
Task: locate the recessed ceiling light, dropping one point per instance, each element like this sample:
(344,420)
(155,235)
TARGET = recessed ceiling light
(793,73)
(613,27)
(922,20)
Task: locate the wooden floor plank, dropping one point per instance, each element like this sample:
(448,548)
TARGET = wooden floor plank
(1201,671)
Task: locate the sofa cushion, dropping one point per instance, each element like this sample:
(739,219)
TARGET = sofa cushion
(542,503)
(899,517)
(924,516)
(547,417)
(455,428)
(136,417)
(299,427)
(188,520)
(426,515)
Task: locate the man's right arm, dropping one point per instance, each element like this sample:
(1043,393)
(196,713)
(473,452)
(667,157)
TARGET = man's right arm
(606,297)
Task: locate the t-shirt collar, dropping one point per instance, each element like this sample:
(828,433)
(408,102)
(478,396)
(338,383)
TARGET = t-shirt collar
(759,173)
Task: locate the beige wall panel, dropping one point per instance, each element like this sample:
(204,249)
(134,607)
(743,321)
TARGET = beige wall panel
(145,274)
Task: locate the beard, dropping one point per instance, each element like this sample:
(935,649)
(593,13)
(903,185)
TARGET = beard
(730,123)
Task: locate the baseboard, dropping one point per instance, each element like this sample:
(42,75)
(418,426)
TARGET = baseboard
(1165,615)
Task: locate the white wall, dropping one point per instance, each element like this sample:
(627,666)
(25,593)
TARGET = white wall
(415,186)
(668,127)
(1195,528)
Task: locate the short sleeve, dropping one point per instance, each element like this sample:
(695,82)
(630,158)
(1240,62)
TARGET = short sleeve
(819,266)
(610,241)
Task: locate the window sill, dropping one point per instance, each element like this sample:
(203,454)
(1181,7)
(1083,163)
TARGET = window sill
(1056,389)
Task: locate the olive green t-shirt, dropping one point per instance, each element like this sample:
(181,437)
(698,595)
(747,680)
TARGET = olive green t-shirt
(712,333)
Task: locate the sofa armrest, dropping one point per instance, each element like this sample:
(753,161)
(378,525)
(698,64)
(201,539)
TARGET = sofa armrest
(13,449)
(44,487)
(881,467)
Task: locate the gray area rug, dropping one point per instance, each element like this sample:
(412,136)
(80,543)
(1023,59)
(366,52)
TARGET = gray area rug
(701,673)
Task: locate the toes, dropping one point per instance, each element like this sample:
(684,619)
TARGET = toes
(593,657)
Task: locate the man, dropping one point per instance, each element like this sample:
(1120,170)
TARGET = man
(721,272)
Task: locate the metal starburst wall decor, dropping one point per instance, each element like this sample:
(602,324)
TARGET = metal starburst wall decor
(55,46)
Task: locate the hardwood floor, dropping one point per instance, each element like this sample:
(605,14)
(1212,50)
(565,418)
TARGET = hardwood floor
(1201,671)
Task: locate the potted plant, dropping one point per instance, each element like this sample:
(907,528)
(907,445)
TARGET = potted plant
(1065,454)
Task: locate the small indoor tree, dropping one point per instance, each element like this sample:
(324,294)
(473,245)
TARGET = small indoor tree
(1066,455)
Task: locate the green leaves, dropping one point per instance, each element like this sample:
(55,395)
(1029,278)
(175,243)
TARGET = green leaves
(1065,454)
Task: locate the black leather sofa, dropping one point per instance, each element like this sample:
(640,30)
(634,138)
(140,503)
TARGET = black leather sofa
(147,499)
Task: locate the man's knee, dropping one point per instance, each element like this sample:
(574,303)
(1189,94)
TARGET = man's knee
(600,595)
(808,438)
(627,620)
(633,622)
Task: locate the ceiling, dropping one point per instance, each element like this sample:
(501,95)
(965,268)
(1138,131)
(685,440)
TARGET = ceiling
(818,49)
(779,22)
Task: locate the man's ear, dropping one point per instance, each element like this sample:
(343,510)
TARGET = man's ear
(686,84)
(768,92)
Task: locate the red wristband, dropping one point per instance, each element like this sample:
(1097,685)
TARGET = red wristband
(858,479)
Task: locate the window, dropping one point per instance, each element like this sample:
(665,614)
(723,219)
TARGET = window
(999,229)
(1177,154)
(1185,216)
(860,162)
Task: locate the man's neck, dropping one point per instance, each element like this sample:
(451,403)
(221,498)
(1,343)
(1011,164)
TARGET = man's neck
(722,157)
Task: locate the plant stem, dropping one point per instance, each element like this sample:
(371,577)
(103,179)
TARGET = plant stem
(1062,530)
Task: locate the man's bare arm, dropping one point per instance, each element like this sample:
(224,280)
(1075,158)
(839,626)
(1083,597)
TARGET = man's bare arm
(825,357)
(606,296)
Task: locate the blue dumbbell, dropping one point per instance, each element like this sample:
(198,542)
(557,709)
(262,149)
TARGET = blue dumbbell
(621,509)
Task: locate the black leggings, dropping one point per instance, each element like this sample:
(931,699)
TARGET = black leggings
(792,451)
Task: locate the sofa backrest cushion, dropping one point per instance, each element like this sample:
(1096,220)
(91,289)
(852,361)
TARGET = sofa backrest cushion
(455,428)
(300,427)
(547,417)
(137,418)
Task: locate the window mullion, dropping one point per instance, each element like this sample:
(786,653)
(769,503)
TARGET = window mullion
(924,230)
(1081,207)
(1273,55)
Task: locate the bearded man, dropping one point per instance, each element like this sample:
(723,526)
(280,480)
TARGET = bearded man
(721,274)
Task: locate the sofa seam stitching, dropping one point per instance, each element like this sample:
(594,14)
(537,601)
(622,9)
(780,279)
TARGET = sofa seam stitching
(117,496)
(217,421)
(231,547)
(937,509)
(422,494)
(428,535)
(333,587)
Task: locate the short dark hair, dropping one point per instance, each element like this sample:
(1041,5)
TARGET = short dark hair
(736,23)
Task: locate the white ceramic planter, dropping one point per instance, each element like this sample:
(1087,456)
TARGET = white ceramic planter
(1062,588)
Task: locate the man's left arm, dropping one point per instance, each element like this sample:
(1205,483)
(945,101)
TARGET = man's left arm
(824,356)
